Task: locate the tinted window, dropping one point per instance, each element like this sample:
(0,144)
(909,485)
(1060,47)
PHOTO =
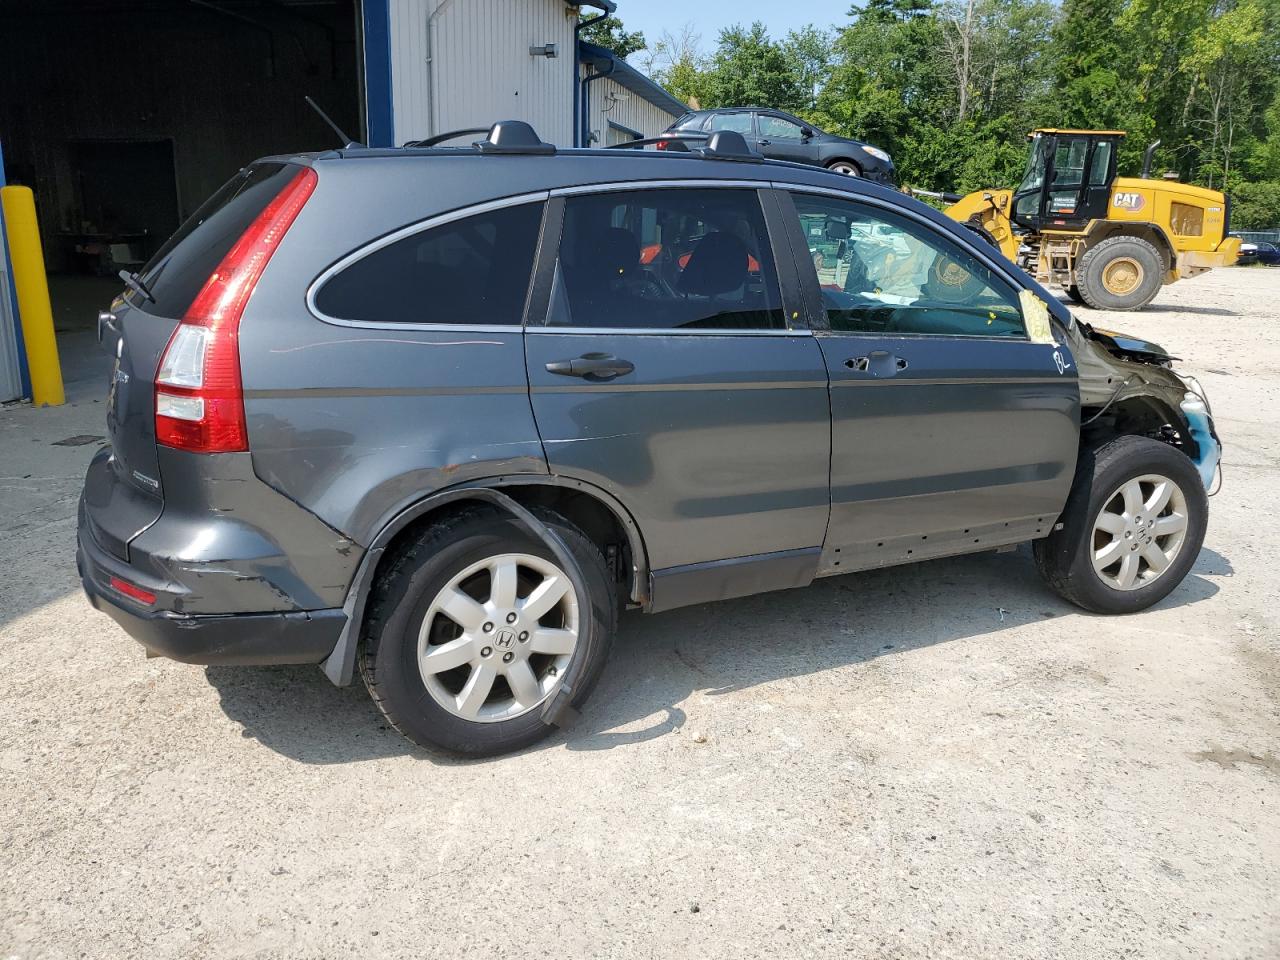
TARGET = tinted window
(880,273)
(181,267)
(778,128)
(690,121)
(666,259)
(740,122)
(472,271)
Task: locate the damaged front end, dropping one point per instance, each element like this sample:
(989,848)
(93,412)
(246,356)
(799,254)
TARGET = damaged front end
(1128,386)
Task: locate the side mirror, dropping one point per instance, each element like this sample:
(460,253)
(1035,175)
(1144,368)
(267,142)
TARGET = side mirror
(807,132)
(837,230)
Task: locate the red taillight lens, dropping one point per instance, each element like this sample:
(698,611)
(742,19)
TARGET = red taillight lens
(660,145)
(135,593)
(199,398)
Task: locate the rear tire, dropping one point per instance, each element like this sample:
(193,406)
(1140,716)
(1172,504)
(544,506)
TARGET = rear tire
(1120,273)
(1115,524)
(480,705)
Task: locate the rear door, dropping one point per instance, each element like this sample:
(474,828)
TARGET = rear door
(125,505)
(781,138)
(951,429)
(665,371)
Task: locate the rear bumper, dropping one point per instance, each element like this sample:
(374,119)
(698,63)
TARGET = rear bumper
(241,639)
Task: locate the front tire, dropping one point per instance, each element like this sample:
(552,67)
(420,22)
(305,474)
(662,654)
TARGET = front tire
(474,625)
(1120,273)
(1131,530)
(845,167)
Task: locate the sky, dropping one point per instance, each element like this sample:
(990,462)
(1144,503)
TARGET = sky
(709,17)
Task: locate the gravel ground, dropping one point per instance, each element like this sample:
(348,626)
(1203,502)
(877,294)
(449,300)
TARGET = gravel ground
(941,760)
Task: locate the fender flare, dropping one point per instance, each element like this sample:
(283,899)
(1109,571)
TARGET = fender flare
(339,666)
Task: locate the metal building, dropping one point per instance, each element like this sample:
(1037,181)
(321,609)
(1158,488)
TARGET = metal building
(454,64)
(119,156)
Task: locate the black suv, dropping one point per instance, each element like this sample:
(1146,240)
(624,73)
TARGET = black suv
(780,136)
(440,415)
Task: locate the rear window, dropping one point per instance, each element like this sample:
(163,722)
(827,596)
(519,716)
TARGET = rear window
(472,271)
(690,121)
(180,268)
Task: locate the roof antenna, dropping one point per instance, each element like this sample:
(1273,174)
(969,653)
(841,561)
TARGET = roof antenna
(346,141)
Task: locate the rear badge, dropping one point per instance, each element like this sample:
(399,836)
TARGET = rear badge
(146,481)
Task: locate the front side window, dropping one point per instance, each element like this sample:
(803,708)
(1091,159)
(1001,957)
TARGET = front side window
(666,259)
(882,273)
(473,271)
(777,128)
(737,122)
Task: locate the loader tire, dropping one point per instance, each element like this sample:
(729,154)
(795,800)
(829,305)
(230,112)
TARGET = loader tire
(1120,273)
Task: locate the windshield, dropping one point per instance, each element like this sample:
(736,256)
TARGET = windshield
(1033,179)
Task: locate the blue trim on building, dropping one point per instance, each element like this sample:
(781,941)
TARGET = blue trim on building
(24,374)
(379,112)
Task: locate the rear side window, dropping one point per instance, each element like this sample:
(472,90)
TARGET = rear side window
(181,267)
(470,271)
(666,259)
(737,122)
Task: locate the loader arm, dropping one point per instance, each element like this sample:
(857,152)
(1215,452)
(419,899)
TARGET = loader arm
(990,210)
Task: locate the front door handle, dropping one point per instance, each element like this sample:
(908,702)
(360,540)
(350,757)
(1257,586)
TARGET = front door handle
(764,143)
(592,366)
(878,363)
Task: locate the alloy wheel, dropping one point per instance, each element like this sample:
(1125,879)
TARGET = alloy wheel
(498,636)
(1139,532)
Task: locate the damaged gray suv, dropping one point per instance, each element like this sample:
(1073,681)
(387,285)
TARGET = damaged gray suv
(439,416)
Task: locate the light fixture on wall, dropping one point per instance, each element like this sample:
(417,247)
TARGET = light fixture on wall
(548,50)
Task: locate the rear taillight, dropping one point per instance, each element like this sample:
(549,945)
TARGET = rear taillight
(660,145)
(199,399)
(133,591)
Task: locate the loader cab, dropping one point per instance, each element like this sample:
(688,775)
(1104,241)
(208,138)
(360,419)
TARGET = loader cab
(1068,179)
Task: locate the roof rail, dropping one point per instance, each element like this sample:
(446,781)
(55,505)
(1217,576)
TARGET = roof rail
(721,145)
(505,136)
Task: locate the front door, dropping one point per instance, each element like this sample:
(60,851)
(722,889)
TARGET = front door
(666,373)
(951,430)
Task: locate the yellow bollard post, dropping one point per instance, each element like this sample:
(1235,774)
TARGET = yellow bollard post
(33,295)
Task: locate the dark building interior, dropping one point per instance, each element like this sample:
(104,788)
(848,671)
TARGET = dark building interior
(124,115)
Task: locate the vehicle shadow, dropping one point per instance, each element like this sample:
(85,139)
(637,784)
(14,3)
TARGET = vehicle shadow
(1154,307)
(658,661)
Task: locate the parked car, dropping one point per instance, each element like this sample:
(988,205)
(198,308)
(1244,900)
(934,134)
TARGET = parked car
(439,416)
(780,136)
(1259,251)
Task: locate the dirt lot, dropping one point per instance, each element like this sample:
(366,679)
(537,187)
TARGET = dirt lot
(941,760)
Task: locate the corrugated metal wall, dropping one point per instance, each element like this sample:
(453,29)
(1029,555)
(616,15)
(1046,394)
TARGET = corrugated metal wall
(477,54)
(610,101)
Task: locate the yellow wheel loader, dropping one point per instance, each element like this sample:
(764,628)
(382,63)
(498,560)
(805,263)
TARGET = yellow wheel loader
(1109,241)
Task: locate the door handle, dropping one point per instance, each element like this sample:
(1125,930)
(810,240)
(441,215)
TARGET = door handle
(764,143)
(878,363)
(592,366)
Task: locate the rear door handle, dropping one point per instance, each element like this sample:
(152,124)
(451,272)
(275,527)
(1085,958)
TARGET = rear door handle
(592,366)
(878,363)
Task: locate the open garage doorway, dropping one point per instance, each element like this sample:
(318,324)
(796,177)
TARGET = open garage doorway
(123,116)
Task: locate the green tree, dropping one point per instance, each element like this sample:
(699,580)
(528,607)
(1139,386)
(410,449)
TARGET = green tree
(747,69)
(808,52)
(612,35)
